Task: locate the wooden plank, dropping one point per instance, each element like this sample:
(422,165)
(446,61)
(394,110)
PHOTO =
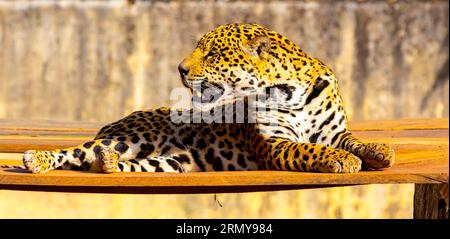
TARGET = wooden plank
(400,124)
(432,168)
(38,143)
(422,157)
(433,174)
(164,190)
(46,143)
(48,126)
(435,135)
(13,157)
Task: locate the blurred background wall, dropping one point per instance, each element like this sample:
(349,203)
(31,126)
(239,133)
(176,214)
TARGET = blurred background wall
(99,60)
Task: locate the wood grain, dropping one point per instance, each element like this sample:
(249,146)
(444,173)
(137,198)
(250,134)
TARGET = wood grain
(19,136)
(421,157)
(429,202)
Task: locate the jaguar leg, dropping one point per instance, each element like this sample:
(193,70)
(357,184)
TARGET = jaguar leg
(282,154)
(374,155)
(109,163)
(80,157)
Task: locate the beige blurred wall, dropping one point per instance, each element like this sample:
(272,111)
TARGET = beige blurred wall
(99,60)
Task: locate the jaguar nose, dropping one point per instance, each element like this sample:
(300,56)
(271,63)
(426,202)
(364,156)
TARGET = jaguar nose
(183,71)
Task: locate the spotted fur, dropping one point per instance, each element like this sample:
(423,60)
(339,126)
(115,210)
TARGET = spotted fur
(310,133)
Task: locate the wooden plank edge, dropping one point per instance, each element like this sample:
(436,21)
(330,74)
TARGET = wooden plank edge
(399,124)
(216,179)
(164,190)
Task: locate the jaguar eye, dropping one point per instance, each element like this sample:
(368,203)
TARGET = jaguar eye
(210,54)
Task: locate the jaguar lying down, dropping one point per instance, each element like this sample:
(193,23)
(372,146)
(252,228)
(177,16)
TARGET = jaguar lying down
(302,128)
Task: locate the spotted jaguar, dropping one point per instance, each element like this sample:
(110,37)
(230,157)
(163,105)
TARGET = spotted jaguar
(283,108)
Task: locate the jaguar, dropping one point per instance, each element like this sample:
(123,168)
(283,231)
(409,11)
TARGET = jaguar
(293,117)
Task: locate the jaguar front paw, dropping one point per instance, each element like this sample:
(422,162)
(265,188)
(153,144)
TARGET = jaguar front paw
(339,161)
(37,161)
(376,156)
(109,160)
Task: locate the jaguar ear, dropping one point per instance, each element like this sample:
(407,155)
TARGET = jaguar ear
(258,46)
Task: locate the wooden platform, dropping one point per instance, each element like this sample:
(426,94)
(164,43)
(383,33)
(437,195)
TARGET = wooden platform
(422,157)
(421,145)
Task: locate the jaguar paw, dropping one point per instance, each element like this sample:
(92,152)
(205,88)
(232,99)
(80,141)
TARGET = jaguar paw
(339,161)
(37,161)
(377,156)
(109,160)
